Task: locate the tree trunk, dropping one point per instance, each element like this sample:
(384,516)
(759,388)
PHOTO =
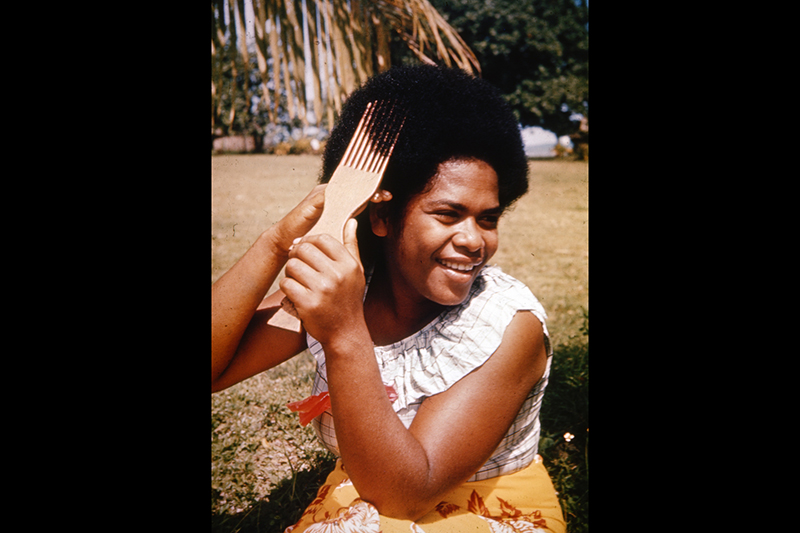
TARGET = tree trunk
(276,56)
(214,78)
(313,43)
(261,55)
(241,29)
(234,59)
(294,35)
(342,48)
(333,103)
(359,36)
(290,103)
(217,59)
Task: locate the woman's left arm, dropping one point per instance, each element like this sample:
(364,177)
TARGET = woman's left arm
(405,472)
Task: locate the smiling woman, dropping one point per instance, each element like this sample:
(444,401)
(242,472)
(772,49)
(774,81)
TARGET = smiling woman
(408,304)
(448,232)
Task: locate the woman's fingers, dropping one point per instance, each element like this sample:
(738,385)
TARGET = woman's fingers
(318,263)
(351,241)
(381,196)
(324,277)
(322,247)
(301,219)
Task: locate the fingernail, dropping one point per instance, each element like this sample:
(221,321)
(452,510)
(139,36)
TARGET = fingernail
(296,240)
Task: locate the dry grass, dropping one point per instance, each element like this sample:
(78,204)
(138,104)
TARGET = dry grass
(544,242)
(264,466)
(249,193)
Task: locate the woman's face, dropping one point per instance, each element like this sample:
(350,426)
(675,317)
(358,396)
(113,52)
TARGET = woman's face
(448,233)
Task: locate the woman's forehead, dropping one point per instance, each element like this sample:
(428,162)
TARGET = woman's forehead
(459,177)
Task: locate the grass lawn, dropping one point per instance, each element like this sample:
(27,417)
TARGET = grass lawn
(265,468)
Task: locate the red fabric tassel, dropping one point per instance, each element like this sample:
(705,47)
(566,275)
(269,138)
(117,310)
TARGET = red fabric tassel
(313,406)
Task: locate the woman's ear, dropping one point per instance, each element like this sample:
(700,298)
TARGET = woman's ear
(379,219)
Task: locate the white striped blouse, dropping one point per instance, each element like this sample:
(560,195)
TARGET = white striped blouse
(457,342)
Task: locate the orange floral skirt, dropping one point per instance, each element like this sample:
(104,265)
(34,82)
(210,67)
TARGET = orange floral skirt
(524,501)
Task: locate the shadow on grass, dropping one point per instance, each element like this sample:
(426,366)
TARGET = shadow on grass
(285,504)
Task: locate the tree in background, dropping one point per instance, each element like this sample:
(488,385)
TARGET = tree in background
(535,51)
(345,42)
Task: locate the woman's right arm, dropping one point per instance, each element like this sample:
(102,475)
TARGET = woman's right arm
(242,343)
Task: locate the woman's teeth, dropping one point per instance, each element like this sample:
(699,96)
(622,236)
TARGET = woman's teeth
(457,266)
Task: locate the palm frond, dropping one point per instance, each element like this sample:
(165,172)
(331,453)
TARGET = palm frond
(348,43)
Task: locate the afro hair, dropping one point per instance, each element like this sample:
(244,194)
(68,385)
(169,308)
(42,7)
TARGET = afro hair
(449,114)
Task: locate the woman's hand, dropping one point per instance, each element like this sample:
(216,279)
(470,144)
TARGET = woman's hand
(236,295)
(325,283)
(242,342)
(298,221)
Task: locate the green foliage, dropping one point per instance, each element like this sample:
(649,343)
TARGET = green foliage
(286,502)
(564,444)
(238,92)
(536,52)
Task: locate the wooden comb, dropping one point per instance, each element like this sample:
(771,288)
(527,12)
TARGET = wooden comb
(354,181)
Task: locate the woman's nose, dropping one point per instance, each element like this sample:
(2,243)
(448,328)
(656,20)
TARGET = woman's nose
(469,236)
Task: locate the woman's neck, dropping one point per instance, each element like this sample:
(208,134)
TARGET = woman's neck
(391,313)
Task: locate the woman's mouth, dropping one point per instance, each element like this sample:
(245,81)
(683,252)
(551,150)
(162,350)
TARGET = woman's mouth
(460,267)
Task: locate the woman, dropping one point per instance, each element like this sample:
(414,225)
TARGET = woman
(409,300)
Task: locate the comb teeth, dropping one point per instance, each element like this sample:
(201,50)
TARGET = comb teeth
(374,138)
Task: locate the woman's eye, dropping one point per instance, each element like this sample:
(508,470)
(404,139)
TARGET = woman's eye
(490,221)
(447,215)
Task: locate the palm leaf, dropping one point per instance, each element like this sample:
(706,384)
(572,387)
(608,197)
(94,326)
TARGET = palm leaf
(353,33)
